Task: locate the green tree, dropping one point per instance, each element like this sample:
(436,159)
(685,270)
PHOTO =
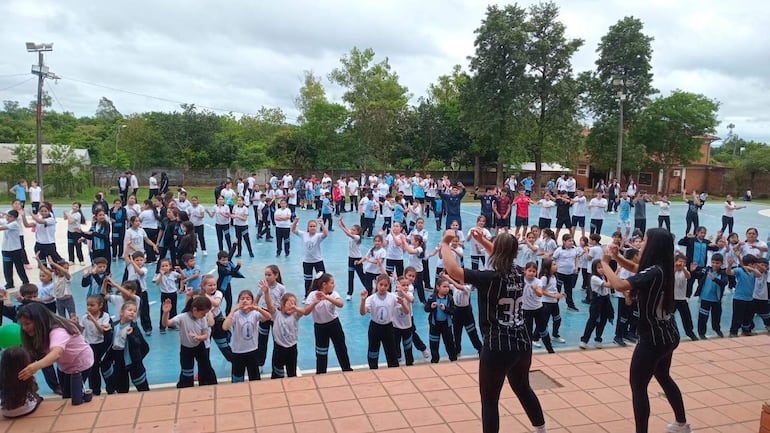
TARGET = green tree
(376,101)
(65,173)
(672,128)
(753,161)
(554,90)
(494,102)
(625,52)
(106,110)
(21,166)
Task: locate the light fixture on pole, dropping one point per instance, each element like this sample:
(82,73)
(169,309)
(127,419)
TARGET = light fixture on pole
(619,85)
(731,126)
(117,134)
(42,73)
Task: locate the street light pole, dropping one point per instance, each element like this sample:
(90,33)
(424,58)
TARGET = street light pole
(618,83)
(42,73)
(117,134)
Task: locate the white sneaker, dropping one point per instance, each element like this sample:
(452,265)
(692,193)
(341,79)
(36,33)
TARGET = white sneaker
(676,428)
(537,344)
(205,253)
(583,345)
(598,344)
(349,297)
(425,354)
(559,340)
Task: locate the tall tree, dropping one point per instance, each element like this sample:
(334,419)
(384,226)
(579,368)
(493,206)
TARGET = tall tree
(672,128)
(311,92)
(554,89)
(625,53)
(493,101)
(106,110)
(376,100)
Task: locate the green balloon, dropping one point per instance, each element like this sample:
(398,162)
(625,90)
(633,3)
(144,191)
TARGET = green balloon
(10,335)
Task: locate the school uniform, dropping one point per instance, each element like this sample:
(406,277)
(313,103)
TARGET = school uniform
(463,318)
(381,308)
(244,345)
(711,301)
(124,359)
(276,292)
(285,332)
(192,351)
(327,326)
(440,325)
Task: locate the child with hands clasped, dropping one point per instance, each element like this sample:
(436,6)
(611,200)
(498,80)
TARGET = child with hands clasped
(381,306)
(327,324)
(711,297)
(440,309)
(272,287)
(168,282)
(244,320)
(286,333)
(193,325)
(62,288)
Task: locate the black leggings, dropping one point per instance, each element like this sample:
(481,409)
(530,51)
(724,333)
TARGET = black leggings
(664,220)
(152,234)
(552,311)
(284,361)
(596,225)
(692,220)
(243,363)
(282,241)
(727,222)
(188,356)
(396,265)
(494,367)
(308,271)
(437,331)
(201,237)
(323,333)
(223,232)
(117,375)
(385,335)
(13,259)
(463,318)
(74,247)
(262,339)
(683,308)
(144,311)
(116,244)
(353,270)
(95,375)
(242,236)
(540,330)
(368,281)
(709,308)
(649,361)
(567,282)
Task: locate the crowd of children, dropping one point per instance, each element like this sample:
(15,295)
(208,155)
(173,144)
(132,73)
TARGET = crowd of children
(159,241)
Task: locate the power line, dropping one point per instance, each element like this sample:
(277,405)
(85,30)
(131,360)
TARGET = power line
(11,75)
(18,84)
(56,98)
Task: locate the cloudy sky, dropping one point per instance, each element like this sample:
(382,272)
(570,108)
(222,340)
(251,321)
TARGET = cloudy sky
(239,55)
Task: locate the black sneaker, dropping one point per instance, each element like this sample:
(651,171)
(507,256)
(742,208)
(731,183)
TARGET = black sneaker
(586,301)
(703,337)
(619,341)
(720,334)
(573,308)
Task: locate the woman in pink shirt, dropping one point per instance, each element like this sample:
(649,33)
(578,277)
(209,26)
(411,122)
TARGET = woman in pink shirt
(53,339)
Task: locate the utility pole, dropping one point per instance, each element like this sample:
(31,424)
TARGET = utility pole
(618,83)
(42,73)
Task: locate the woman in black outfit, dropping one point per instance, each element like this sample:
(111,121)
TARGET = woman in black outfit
(507,349)
(653,288)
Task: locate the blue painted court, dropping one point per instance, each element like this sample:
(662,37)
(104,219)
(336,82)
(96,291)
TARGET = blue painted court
(162,363)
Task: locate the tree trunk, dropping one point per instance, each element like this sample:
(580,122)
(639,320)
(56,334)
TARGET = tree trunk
(500,172)
(476,169)
(538,170)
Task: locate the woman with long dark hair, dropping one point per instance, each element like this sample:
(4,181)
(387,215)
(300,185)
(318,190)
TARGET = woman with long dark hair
(54,339)
(507,348)
(652,287)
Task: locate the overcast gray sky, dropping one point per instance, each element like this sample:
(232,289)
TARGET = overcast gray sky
(241,55)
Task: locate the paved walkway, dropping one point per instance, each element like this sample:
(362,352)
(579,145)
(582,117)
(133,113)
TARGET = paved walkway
(724,382)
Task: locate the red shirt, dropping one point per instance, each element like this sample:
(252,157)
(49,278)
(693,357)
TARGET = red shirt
(503,203)
(522,206)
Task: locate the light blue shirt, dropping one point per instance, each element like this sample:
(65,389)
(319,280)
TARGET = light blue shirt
(21,192)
